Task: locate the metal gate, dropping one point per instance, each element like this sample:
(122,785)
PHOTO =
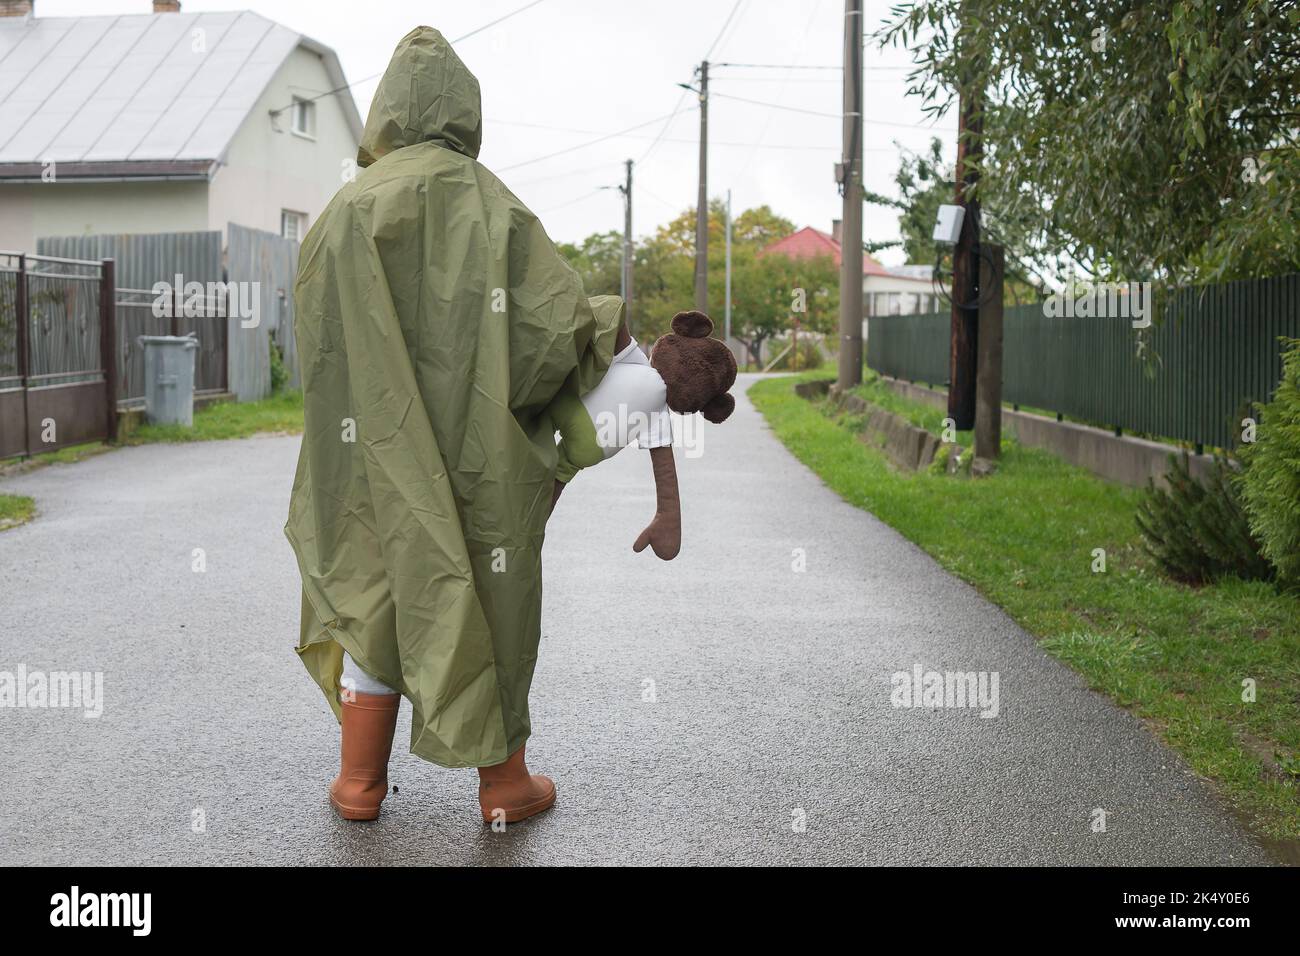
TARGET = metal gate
(146,308)
(57,370)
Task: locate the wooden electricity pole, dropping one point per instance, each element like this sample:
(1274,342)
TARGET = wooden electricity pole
(849,175)
(988,390)
(702,200)
(965,264)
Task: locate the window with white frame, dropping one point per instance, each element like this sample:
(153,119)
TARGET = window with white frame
(304,117)
(293,225)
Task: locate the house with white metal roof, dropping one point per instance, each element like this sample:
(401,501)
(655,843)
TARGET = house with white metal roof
(166,122)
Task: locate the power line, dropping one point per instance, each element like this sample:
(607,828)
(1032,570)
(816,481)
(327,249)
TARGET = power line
(682,98)
(780,93)
(778,66)
(773,79)
(496,21)
(725,24)
(677,109)
(597,132)
(660,199)
(778,106)
(564,175)
(810,80)
(669,139)
(838,116)
(586,195)
(802,66)
(372,76)
(593,142)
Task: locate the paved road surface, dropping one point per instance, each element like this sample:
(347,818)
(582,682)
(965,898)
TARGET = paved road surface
(771,689)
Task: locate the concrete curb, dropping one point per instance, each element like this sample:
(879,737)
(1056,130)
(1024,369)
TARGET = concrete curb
(906,445)
(1120,458)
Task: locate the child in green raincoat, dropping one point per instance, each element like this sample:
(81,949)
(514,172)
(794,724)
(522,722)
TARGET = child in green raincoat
(437,326)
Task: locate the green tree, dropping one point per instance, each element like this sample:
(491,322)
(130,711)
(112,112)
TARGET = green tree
(1132,140)
(769,289)
(1270,484)
(924,184)
(599,260)
(765,289)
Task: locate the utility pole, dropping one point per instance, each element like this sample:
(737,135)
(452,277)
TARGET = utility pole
(726,326)
(964,347)
(849,175)
(626,190)
(988,392)
(702,201)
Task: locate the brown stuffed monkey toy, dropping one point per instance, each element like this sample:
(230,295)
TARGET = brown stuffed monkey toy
(688,371)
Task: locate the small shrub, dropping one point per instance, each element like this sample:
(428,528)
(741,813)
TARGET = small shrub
(279,374)
(1196,531)
(1270,487)
(940,464)
(810,357)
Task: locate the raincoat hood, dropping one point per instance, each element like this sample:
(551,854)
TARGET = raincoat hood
(427,95)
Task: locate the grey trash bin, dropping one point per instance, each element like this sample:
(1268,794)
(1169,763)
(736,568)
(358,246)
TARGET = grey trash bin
(169,378)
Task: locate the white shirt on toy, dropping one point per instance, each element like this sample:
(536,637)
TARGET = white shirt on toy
(630,404)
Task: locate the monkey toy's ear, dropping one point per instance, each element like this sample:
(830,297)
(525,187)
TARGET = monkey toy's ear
(719,408)
(693,325)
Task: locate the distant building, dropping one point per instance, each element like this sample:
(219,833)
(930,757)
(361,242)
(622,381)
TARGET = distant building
(903,290)
(166,122)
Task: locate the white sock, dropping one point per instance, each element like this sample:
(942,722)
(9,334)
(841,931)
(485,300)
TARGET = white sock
(358,681)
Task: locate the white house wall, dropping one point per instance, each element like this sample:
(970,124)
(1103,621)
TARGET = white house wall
(29,211)
(265,171)
(913,294)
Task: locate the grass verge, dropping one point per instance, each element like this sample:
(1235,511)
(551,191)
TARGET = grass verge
(279,413)
(15,510)
(1176,656)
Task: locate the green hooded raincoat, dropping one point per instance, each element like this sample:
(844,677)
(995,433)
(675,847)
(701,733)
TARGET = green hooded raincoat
(435,324)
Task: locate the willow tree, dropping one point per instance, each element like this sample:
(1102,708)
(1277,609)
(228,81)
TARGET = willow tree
(1129,140)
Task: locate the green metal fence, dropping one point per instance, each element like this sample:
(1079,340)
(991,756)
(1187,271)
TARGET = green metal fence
(1200,369)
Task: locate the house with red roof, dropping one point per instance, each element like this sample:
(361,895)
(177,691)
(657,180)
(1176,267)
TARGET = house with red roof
(904,290)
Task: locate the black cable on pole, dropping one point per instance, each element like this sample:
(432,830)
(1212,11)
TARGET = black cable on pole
(936,280)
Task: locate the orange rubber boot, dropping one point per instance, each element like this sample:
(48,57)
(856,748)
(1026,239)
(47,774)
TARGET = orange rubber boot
(362,783)
(509,787)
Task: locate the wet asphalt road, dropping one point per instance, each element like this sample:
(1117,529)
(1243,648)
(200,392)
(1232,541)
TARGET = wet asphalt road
(691,712)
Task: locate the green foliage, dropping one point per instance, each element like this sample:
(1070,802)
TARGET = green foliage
(15,510)
(1152,140)
(1198,531)
(763,287)
(939,466)
(925,183)
(1271,483)
(598,260)
(810,358)
(281,414)
(279,373)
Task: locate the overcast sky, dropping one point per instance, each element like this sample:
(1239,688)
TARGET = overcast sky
(568,71)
